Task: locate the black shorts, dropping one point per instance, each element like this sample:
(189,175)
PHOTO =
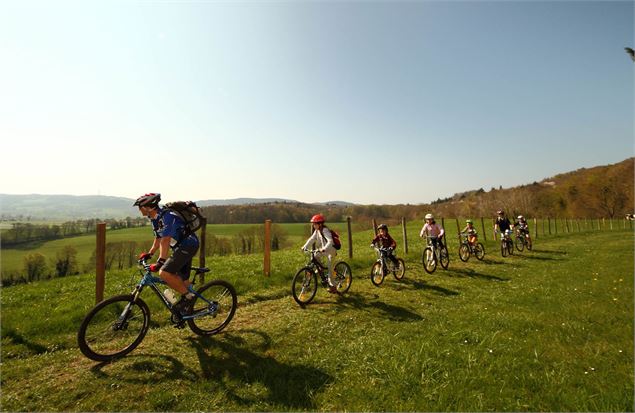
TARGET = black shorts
(180,262)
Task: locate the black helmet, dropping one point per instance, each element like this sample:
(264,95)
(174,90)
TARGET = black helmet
(382,226)
(148,200)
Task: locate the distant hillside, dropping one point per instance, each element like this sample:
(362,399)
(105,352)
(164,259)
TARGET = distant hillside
(601,191)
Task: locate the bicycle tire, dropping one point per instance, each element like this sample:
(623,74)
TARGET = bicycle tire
(304,286)
(479,251)
(224,302)
(103,336)
(528,244)
(520,244)
(429,260)
(444,257)
(399,273)
(376,274)
(503,248)
(464,252)
(510,247)
(343,277)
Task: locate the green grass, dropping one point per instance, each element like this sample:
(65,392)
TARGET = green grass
(548,330)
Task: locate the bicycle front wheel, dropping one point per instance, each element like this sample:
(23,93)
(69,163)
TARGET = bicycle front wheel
(528,242)
(520,244)
(479,251)
(343,277)
(113,328)
(399,271)
(503,248)
(444,257)
(429,260)
(304,286)
(376,274)
(213,316)
(464,252)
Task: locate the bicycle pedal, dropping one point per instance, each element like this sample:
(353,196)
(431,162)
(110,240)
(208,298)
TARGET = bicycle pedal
(180,325)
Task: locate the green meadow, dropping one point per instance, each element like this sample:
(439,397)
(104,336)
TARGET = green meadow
(546,330)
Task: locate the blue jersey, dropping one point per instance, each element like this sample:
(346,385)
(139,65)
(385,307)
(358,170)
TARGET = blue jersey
(169,224)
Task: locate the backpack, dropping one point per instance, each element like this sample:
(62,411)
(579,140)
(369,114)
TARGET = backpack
(337,244)
(189,213)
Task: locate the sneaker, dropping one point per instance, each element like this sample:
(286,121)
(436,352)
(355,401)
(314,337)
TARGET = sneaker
(184,305)
(333,290)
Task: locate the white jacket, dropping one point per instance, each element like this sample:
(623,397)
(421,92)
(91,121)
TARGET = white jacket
(323,238)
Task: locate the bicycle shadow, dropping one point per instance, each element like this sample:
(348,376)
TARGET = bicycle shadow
(139,367)
(468,272)
(235,362)
(358,301)
(423,285)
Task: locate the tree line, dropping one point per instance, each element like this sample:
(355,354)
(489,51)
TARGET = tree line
(23,232)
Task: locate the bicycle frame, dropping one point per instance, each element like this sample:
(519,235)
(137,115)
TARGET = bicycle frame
(152,281)
(314,263)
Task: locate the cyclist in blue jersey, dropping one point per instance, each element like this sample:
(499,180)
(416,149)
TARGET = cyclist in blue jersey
(170,232)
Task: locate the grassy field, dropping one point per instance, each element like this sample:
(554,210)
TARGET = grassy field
(548,330)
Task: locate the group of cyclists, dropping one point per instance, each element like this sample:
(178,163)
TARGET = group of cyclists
(171,234)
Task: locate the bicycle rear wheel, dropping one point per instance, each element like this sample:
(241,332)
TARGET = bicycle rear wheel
(376,274)
(343,277)
(479,251)
(304,286)
(399,271)
(113,328)
(444,257)
(429,260)
(211,318)
(464,252)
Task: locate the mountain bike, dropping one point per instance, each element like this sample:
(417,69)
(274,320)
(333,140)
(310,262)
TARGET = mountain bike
(433,255)
(523,240)
(384,266)
(305,281)
(507,244)
(117,325)
(467,249)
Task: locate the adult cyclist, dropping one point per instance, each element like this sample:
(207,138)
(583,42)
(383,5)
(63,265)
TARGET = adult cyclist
(170,232)
(502,224)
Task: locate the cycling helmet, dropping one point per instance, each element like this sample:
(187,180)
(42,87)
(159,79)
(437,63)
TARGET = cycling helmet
(468,221)
(148,200)
(520,217)
(317,218)
(382,226)
(429,216)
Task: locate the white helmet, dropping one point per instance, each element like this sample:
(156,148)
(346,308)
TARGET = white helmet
(521,217)
(429,216)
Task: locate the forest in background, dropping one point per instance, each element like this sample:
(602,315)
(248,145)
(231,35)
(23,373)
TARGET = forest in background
(598,192)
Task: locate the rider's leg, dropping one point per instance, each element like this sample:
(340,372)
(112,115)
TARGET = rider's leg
(176,270)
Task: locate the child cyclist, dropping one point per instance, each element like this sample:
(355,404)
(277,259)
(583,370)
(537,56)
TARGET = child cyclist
(384,240)
(522,227)
(434,230)
(322,236)
(472,236)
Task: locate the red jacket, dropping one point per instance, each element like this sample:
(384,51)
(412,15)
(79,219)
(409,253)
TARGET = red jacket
(386,242)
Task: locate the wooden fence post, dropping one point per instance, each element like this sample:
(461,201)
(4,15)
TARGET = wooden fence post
(405,235)
(100,262)
(555,225)
(267,262)
(350,237)
(374,226)
(611,224)
(483,225)
(443,226)
(535,228)
(493,230)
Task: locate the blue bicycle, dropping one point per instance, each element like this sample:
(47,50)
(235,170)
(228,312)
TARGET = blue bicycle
(117,325)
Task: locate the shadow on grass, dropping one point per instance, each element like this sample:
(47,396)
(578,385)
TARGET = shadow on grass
(558,252)
(359,301)
(235,365)
(468,272)
(423,285)
(19,339)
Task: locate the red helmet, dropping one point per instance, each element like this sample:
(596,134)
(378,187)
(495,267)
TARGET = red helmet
(149,200)
(317,219)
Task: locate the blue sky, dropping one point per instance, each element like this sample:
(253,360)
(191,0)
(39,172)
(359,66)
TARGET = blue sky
(363,101)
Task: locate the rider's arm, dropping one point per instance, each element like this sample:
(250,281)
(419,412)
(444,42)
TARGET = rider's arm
(164,247)
(154,247)
(423,231)
(311,240)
